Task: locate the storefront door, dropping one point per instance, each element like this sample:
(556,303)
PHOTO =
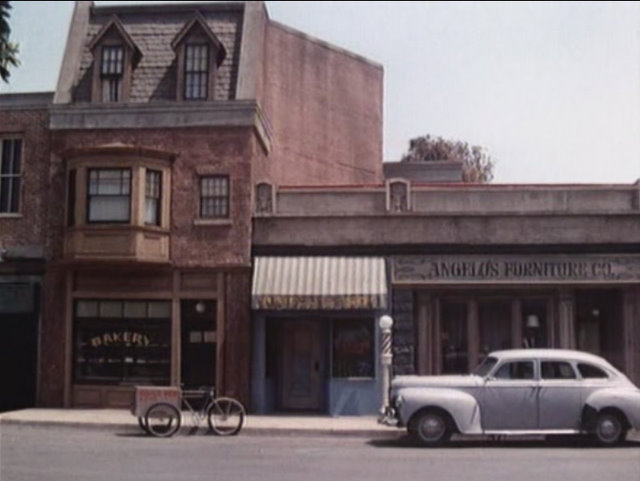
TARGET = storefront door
(302,366)
(18,346)
(198,354)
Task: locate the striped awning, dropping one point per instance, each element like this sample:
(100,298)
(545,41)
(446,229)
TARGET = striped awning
(314,283)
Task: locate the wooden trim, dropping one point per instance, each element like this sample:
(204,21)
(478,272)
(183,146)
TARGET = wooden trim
(629,314)
(437,331)
(151,295)
(425,335)
(220,334)
(516,323)
(176,334)
(566,309)
(551,322)
(473,333)
(68,345)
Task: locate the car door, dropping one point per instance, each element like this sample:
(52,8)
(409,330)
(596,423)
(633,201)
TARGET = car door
(509,398)
(559,395)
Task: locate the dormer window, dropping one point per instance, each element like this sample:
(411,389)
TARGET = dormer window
(115,55)
(111,72)
(196,71)
(199,54)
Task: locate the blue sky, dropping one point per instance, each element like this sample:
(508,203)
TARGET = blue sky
(550,89)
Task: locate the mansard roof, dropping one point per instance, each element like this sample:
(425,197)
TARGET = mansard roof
(153,28)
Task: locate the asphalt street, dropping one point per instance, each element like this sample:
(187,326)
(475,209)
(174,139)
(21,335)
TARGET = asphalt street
(56,454)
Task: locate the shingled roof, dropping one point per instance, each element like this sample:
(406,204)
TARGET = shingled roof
(152,29)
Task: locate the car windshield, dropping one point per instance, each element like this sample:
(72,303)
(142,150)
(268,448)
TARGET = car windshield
(485,366)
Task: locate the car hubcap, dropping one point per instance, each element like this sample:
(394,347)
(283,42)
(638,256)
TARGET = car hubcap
(608,429)
(432,428)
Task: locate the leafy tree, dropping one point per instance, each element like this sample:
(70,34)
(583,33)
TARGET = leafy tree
(477,165)
(8,50)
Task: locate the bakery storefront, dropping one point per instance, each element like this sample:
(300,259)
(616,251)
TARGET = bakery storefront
(465,306)
(315,334)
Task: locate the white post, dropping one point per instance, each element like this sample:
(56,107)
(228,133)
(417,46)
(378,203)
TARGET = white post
(385,323)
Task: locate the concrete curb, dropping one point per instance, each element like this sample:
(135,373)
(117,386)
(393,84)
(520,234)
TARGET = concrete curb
(246,430)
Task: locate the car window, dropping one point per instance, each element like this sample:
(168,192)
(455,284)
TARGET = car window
(556,370)
(588,371)
(485,366)
(515,370)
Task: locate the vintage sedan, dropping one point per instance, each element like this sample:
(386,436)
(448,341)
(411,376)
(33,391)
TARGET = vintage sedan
(519,392)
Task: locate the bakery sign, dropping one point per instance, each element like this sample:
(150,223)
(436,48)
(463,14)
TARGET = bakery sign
(526,269)
(120,338)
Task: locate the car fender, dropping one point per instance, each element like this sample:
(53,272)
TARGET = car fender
(462,407)
(626,400)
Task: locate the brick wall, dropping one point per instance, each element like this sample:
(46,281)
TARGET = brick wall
(30,228)
(237,348)
(325,108)
(199,151)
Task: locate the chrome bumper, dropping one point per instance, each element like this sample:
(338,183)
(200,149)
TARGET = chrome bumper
(388,417)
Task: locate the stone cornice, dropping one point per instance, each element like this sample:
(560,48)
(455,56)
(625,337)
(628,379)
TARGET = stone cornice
(236,113)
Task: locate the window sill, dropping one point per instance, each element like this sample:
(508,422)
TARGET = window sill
(10,215)
(214,222)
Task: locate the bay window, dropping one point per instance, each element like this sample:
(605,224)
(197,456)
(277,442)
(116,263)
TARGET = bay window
(109,195)
(152,197)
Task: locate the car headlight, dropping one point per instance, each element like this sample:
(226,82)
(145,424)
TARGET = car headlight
(397,401)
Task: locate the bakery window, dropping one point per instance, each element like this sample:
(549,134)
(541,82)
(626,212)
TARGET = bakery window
(122,342)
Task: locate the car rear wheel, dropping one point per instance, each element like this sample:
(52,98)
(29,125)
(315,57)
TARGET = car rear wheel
(610,429)
(430,428)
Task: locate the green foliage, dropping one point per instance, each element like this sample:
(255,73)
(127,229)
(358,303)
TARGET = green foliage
(8,49)
(477,165)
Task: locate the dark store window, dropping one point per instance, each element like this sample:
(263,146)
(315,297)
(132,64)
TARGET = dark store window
(353,354)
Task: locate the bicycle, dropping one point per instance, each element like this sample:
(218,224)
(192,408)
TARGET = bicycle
(158,413)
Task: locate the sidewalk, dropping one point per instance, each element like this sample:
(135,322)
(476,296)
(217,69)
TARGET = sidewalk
(272,425)
(120,419)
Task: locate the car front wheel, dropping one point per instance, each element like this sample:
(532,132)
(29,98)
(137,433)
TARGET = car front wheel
(610,429)
(430,428)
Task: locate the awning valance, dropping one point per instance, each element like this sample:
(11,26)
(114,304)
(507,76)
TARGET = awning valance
(322,282)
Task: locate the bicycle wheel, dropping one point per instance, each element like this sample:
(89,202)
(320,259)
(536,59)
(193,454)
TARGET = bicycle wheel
(142,422)
(162,420)
(225,416)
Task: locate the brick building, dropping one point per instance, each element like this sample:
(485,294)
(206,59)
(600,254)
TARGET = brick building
(202,201)
(127,234)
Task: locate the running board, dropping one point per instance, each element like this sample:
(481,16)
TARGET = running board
(531,432)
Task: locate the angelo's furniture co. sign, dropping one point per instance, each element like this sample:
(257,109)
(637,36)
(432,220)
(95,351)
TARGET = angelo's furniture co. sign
(526,269)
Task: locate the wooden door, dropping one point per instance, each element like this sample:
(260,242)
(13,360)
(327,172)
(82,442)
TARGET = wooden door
(302,386)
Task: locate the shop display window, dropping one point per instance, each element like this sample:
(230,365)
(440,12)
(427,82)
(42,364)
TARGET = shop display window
(353,348)
(122,342)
